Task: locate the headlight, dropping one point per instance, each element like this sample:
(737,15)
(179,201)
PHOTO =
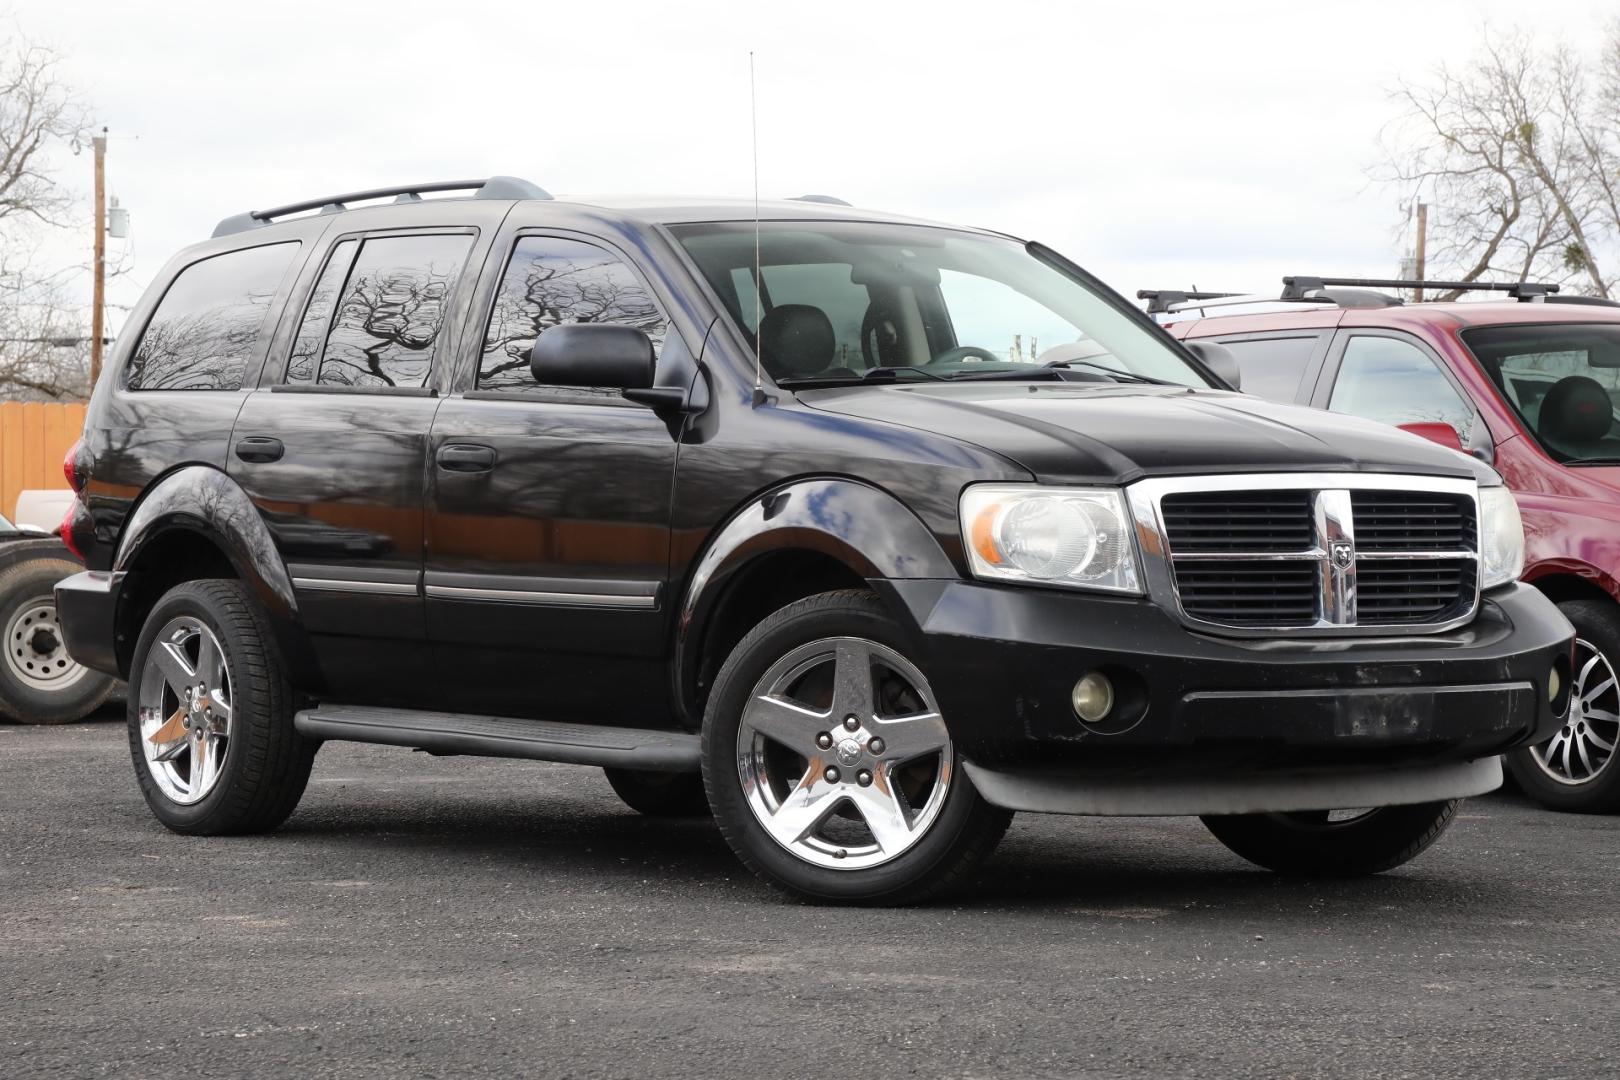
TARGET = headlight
(1076,537)
(1501,538)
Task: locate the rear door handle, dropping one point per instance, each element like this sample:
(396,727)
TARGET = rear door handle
(465,457)
(259,448)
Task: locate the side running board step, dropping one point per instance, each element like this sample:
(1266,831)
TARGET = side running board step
(498,736)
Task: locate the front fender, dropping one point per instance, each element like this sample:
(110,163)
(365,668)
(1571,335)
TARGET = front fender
(204,500)
(868,530)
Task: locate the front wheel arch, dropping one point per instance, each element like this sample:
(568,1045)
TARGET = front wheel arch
(805,537)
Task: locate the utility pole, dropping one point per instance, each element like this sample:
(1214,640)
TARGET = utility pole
(98,289)
(1422,242)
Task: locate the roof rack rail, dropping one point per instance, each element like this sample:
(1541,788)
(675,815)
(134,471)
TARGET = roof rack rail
(1592,301)
(1160,301)
(830,200)
(494,187)
(1297,287)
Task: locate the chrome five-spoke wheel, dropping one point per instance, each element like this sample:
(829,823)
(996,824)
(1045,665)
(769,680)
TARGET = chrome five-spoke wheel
(843,756)
(185,710)
(1583,748)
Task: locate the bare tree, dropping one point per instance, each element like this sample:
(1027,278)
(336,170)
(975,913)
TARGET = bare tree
(42,346)
(1505,151)
(1601,136)
(43,352)
(37,112)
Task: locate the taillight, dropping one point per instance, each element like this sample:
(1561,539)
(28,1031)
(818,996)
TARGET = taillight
(65,530)
(70,467)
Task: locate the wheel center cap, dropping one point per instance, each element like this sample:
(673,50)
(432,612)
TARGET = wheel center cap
(43,642)
(849,752)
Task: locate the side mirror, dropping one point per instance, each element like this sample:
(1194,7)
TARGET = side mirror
(1436,431)
(1219,359)
(593,354)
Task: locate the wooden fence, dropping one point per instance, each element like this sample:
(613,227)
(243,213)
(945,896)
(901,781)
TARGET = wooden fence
(34,437)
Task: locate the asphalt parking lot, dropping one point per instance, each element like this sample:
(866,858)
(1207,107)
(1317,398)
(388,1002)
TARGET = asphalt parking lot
(463,917)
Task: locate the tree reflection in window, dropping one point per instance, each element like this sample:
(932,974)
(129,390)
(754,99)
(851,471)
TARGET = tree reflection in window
(318,313)
(551,281)
(392,308)
(205,328)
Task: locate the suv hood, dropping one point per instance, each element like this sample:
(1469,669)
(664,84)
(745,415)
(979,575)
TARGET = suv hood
(1114,434)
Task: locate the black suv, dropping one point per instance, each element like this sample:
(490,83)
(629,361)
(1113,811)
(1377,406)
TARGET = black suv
(860,532)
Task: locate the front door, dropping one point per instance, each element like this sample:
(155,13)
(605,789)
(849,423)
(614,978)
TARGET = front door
(549,508)
(333,448)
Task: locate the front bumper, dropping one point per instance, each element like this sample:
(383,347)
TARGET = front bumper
(86,605)
(1003,661)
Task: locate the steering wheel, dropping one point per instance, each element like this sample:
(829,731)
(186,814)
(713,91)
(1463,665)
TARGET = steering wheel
(963,352)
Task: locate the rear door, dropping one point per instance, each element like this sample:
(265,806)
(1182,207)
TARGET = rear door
(332,447)
(549,506)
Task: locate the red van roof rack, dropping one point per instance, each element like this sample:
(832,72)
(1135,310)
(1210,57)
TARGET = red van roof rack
(1296,287)
(1349,292)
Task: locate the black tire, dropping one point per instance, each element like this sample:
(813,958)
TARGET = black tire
(965,830)
(39,682)
(267,763)
(1311,845)
(1597,625)
(660,794)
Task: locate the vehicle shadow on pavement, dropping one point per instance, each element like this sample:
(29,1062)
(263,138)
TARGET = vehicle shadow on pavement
(1128,868)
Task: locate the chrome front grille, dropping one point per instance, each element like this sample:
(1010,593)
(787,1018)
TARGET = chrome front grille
(1312,553)
(1413,521)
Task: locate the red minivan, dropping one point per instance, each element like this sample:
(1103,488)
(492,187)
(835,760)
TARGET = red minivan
(1530,384)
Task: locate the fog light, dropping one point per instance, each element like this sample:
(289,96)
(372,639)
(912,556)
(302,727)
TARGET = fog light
(1555,683)
(1093,697)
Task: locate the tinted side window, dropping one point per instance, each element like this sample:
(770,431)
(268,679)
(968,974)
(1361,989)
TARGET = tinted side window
(318,313)
(1272,367)
(551,281)
(204,329)
(1395,382)
(390,310)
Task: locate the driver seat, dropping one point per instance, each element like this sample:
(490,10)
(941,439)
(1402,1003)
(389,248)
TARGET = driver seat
(796,341)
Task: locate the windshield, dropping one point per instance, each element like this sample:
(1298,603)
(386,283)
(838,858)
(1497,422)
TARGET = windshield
(839,301)
(1562,380)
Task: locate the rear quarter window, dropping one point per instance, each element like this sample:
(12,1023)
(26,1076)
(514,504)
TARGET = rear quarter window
(206,328)
(1272,367)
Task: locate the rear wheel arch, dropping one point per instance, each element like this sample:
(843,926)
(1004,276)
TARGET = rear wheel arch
(167,557)
(804,538)
(196,523)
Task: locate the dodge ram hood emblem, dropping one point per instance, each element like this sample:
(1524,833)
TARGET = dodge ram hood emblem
(1344,554)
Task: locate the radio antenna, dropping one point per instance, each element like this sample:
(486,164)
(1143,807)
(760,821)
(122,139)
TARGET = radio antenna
(753,125)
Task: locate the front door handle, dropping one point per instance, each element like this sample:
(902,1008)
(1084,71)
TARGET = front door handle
(259,448)
(465,457)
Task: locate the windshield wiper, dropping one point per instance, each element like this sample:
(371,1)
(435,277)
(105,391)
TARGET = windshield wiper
(888,373)
(894,370)
(1124,376)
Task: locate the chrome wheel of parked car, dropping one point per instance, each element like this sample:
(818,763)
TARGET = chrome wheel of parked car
(842,753)
(35,651)
(185,710)
(1584,747)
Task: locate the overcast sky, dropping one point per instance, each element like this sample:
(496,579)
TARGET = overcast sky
(1158,144)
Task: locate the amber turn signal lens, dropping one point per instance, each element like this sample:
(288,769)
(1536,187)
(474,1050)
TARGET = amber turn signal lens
(983,538)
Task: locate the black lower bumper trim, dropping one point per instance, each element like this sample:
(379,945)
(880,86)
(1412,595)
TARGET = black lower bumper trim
(1049,792)
(86,604)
